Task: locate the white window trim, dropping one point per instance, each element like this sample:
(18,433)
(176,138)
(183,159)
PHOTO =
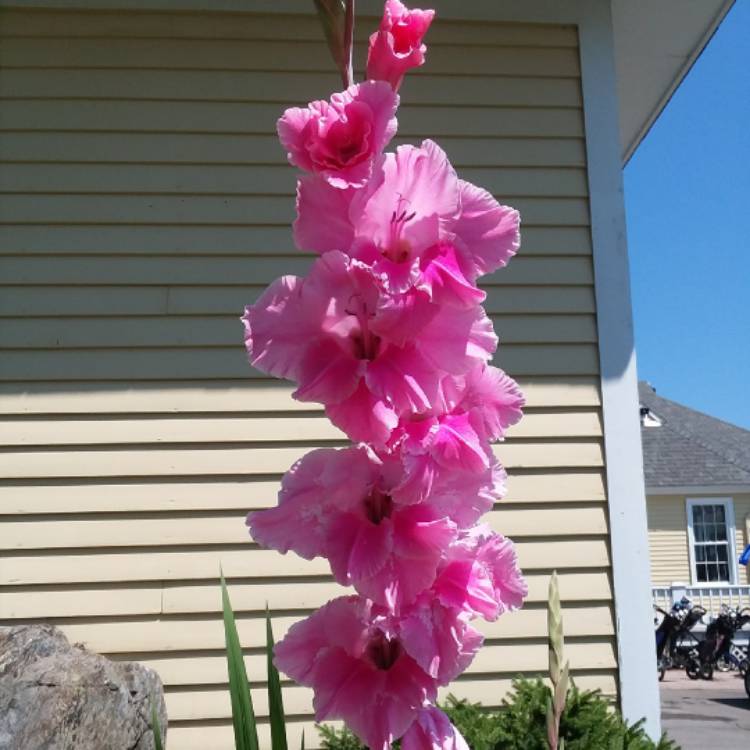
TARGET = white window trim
(728,504)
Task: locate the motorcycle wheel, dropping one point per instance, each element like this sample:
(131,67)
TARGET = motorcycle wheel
(747,683)
(662,672)
(744,667)
(723,665)
(707,672)
(693,669)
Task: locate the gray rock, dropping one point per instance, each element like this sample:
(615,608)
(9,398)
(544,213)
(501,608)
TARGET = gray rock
(54,696)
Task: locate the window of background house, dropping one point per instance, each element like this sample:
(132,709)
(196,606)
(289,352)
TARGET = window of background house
(711,539)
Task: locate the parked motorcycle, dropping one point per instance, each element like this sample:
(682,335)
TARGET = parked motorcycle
(717,645)
(676,645)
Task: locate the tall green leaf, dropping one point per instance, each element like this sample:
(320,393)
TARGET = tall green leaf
(275,703)
(156,729)
(243,716)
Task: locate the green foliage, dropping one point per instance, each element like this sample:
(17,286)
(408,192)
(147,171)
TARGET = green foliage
(588,723)
(275,703)
(156,729)
(243,716)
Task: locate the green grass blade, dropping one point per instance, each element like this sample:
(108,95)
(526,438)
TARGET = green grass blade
(243,716)
(156,729)
(302,741)
(275,703)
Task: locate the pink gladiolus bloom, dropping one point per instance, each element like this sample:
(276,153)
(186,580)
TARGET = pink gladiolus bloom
(481,575)
(337,504)
(349,654)
(397,45)
(340,139)
(329,334)
(415,223)
(433,731)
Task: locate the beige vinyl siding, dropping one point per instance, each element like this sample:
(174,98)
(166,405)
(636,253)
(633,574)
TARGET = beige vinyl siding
(145,200)
(668,536)
(668,539)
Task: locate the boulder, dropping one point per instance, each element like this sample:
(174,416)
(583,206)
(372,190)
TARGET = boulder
(54,696)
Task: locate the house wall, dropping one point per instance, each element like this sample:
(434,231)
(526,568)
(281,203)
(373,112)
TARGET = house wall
(668,537)
(146,200)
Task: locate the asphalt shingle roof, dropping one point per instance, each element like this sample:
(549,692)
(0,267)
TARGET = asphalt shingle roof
(691,448)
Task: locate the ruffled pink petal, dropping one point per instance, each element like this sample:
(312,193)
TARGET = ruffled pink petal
(404,378)
(363,416)
(456,446)
(443,277)
(400,318)
(488,233)
(481,575)
(326,373)
(463,497)
(495,398)
(433,731)
(457,340)
(439,639)
(278,328)
(357,549)
(293,128)
(317,199)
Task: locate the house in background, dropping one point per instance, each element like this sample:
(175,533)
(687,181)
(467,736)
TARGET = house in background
(146,200)
(697,472)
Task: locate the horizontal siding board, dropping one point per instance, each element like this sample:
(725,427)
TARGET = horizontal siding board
(285,88)
(61,332)
(522,657)
(159,25)
(33,300)
(105,115)
(220,459)
(229,396)
(98,496)
(178,148)
(230,362)
(234,271)
(173,634)
(244,429)
(203,529)
(143,621)
(228,179)
(228,54)
(122,566)
(209,209)
(115,240)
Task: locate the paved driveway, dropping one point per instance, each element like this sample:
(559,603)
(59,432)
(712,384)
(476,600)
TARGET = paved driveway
(701,715)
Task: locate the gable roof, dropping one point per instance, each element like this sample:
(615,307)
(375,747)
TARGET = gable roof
(690,448)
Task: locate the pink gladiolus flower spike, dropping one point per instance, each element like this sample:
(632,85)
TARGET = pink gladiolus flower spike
(340,139)
(397,45)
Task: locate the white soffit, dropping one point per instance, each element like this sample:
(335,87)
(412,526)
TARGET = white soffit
(656,43)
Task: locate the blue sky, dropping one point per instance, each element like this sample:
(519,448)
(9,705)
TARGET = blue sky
(687,194)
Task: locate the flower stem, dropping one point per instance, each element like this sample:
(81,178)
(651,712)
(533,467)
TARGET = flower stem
(348,72)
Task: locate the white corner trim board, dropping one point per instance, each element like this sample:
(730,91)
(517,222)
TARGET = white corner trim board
(639,695)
